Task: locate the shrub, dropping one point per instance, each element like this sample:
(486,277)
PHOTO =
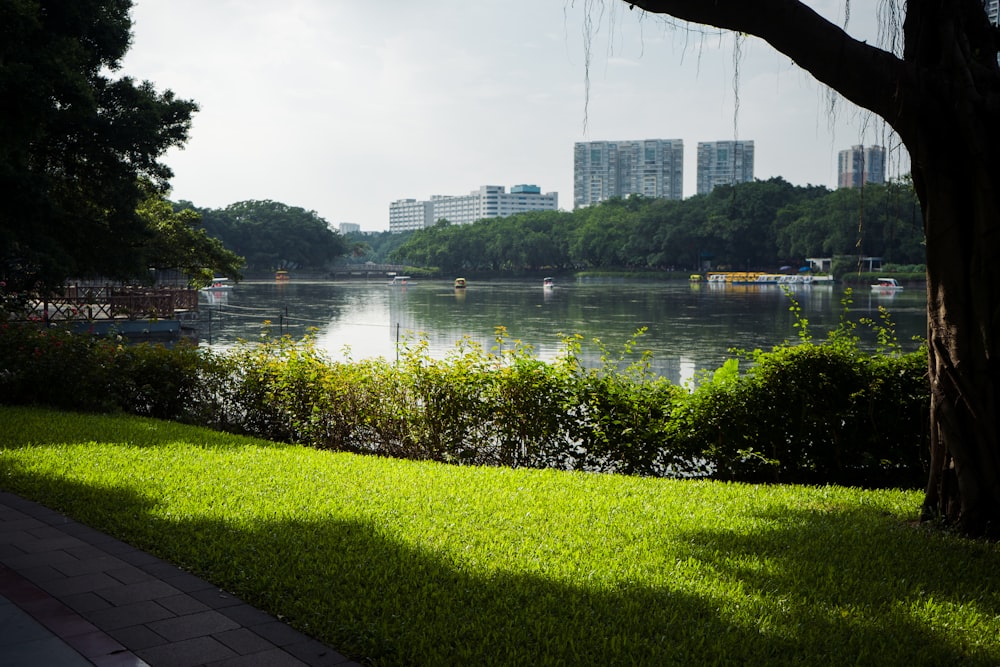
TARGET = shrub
(812,413)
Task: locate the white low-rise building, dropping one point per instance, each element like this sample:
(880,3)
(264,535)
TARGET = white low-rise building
(490,201)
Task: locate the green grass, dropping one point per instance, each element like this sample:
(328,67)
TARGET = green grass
(398,562)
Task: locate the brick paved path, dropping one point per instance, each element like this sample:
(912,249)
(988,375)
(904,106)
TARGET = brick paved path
(72,596)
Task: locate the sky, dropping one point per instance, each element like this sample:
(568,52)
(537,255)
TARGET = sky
(344,106)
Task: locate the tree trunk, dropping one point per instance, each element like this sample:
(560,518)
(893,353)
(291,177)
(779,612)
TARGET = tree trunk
(962,229)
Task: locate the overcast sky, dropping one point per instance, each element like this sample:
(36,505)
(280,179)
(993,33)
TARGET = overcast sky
(343,106)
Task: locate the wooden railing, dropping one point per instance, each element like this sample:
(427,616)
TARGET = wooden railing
(106,302)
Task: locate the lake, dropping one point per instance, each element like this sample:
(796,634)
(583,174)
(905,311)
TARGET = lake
(690,327)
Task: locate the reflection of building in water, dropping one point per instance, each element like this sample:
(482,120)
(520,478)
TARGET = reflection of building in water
(687,372)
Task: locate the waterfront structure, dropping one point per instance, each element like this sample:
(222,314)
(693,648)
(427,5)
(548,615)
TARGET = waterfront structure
(724,163)
(859,165)
(489,201)
(648,167)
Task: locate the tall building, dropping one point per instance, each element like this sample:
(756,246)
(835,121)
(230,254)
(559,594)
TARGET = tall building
(992,10)
(406,215)
(859,165)
(490,201)
(648,167)
(724,163)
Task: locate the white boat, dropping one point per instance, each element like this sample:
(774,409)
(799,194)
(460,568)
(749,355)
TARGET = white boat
(886,285)
(401,281)
(218,285)
(548,283)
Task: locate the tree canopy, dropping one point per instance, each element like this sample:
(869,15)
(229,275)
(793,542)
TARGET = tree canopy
(75,143)
(179,242)
(272,235)
(760,225)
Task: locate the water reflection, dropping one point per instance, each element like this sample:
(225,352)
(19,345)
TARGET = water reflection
(689,327)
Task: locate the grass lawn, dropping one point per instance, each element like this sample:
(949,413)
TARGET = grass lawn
(404,563)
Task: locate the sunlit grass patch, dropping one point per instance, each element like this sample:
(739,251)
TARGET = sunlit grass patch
(403,562)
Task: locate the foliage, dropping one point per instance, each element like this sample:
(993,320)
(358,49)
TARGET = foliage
(75,143)
(814,413)
(415,563)
(373,247)
(178,242)
(759,225)
(811,412)
(272,235)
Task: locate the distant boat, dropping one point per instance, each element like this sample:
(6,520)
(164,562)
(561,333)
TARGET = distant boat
(281,274)
(886,285)
(459,283)
(548,283)
(401,281)
(218,285)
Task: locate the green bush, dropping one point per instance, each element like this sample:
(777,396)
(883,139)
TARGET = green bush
(811,413)
(55,368)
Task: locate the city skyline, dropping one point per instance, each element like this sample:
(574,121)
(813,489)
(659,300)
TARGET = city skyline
(343,108)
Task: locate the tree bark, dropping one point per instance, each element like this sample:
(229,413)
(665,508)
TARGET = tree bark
(942,96)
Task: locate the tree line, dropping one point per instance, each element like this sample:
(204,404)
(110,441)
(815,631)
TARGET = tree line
(750,226)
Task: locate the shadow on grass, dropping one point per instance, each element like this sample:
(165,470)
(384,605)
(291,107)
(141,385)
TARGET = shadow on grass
(806,590)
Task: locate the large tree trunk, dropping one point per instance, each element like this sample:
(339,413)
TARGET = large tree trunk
(955,183)
(943,98)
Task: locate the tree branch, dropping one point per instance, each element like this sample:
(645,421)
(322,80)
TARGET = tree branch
(866,75)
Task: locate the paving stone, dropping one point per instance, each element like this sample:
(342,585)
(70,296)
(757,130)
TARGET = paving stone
(8,550)
(189,583)
(243,641)
(182,604)
(317,654)
(90,565)
(193,625)
(130,574)
(249,616)
(119,594)
(188,653)
(51,544)
(84,602)
(132,614)
(41,574)
(28,560)
(94,644)
(17,528)
(279,633)
(137,637)
(273,658)
(161,569)
(216,599)
(83,583)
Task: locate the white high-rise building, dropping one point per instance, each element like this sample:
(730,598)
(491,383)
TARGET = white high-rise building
(490,201)
(408,214)
(859,165)
(648,167)
(724,163)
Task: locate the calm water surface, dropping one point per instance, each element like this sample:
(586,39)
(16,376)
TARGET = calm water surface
(689,327)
